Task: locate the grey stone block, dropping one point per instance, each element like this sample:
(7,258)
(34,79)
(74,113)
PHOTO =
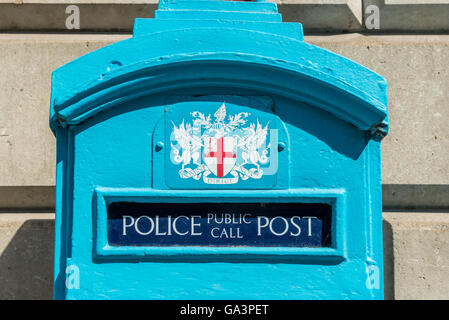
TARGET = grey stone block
(27,146)
(415,197)
(416,259)
(108,15)
(415,151)
(26,256)
(318,16)
(416,262)
(27,197)
(95,16)
(411,15)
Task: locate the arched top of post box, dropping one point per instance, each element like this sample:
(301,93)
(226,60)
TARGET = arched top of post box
(238,58)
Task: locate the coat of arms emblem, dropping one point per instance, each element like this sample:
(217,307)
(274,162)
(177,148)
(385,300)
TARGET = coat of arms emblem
(220,150)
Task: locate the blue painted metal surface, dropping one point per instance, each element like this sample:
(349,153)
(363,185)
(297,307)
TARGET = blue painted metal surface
(117,112)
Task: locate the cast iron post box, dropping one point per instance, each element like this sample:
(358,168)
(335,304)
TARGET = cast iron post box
(216,155)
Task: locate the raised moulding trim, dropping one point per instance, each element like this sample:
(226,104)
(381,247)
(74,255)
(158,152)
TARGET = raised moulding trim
(335,254)
(358,97)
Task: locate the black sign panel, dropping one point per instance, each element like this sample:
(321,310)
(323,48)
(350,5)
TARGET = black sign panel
(219,224)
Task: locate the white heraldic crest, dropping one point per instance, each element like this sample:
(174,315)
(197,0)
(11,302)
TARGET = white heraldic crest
(220,152)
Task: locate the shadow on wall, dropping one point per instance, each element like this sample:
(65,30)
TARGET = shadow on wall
(388,261)
(26,265)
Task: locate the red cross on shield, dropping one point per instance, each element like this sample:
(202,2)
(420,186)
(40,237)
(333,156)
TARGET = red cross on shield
(220,155)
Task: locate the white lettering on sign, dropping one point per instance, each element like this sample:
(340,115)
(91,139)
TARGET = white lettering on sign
(155,225)
(220,224)
(191,226)
(228,218)
(264,222)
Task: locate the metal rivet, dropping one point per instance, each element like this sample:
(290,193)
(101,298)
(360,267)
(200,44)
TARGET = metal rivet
(281,146)
(159,146)
(113,65)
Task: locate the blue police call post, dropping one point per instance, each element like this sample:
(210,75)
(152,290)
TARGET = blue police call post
(216,155)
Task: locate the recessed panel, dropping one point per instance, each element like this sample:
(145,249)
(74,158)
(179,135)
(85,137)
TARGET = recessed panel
(219,224)
(221,142)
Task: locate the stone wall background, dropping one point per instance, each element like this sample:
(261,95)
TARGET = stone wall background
(411,49)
